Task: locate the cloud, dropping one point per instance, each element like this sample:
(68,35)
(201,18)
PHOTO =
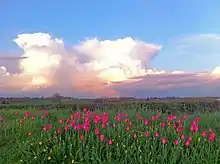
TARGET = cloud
(96,68)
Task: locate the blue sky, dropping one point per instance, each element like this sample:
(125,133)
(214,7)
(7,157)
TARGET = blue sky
(188,30)
(153,21)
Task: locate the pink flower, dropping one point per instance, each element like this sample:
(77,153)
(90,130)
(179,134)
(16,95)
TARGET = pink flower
(194,127)
(146,122)
(212,136)
(135,136)
(97,132)
(179,128)
(164,140)
(152,118)
(147,134)
(49,126)
(185,116)
(163,124)
(82,137)
(176,142)
(187,143)
(27,114)
(182,136)
(127,128)
(204,133)
(66,128)
(156,134)
(157,116)
(102,137)
(110,142)
(58,130)
(45,128)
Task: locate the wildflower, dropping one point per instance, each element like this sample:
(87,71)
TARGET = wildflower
(110,142)
(212,136)
(194,127)
(49,126)
(152,118)
(127,128)
(156,134)
(102,137)
(27,114)
(182,136)
(174,126)
(198,119)
(29,133)
(187,143)
(190,138)
(82,137)
(157,116)
(164,140)
(147,134)
(59,131)
(97,131)
(49,158)
(179,128)
(146,122)
(45,128)
(61,121)
(40,143)
(135,136)
(185,116)
(204,133)
(163,124)
(66,128)
(176,142)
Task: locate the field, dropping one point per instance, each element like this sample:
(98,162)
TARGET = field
(135,133)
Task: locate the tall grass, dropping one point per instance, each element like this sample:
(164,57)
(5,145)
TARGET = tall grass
(30,138)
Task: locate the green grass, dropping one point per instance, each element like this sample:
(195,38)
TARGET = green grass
(16,146)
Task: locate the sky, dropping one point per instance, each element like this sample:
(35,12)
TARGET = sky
(110,48)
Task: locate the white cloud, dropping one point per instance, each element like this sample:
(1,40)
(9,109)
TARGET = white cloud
(98,68)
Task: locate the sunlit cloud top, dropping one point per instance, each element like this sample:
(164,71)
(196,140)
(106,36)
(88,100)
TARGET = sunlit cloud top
(96,67)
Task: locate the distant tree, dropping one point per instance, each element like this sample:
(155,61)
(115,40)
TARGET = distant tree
(57,97)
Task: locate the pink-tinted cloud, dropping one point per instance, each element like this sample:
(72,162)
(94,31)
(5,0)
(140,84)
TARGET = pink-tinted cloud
(97,68)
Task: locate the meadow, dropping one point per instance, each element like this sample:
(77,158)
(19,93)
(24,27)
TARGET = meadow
(135,133)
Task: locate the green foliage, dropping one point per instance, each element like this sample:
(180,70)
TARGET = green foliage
(17,146)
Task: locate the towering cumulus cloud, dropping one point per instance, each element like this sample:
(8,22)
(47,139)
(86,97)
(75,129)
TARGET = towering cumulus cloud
(90,68)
